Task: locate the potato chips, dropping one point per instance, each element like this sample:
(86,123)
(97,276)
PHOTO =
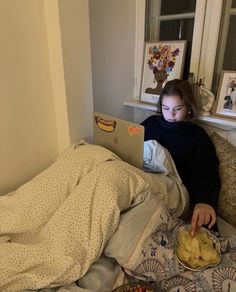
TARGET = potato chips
(198,251)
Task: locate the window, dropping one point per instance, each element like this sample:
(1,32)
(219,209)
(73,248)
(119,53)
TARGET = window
(197,21)
(226,57)
(167,21)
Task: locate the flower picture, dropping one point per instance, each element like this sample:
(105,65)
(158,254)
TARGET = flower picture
(163,61)
(162,58)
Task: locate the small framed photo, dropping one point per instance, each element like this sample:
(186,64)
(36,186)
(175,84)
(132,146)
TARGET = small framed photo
(226,97)
(163,61)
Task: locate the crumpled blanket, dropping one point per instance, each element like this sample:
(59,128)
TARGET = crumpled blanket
(156,158)
(53,228)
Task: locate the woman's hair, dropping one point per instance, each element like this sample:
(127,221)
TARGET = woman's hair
(184,90)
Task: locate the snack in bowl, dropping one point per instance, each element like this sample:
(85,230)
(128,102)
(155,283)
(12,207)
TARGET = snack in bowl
(134,288)
(199,251)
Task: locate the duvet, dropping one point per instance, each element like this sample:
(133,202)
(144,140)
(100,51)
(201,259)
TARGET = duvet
(54,227)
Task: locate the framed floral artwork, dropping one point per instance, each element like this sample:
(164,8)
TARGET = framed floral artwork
(163,61)
(225,104)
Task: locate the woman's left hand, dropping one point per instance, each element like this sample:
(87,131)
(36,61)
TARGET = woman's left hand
(203,214)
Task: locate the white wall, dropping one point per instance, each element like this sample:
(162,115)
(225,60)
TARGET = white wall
(28,136)
(112,26)
(57,72)
(46,84)
(75,35)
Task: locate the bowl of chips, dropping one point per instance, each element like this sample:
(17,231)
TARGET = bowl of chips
(197,252)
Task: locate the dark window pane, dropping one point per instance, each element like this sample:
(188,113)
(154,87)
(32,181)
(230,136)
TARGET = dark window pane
(176,7)
(171,30)
(230,49)
(234,4)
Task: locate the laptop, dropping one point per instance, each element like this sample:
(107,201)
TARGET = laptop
(124,138)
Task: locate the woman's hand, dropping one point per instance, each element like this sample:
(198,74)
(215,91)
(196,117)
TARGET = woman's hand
(203,214)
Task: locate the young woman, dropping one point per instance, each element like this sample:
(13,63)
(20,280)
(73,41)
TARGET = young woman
(190,147)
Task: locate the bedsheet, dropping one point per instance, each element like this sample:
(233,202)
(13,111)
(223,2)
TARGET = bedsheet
(53,228)
(144,245)
(153,260)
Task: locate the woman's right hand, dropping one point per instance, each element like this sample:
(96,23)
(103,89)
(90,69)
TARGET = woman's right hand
(203,214)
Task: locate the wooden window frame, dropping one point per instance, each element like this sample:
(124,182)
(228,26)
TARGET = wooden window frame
(204,46)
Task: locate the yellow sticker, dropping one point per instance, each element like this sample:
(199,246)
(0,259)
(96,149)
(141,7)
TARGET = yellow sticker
(105,125)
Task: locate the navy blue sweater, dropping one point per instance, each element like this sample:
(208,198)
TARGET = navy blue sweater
(193,153)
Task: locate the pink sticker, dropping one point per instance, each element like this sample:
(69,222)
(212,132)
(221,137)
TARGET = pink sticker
(134,130)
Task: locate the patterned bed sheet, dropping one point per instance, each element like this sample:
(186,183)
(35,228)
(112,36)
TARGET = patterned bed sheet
(157,263)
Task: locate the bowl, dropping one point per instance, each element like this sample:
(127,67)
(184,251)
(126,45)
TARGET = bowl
(216,246)
(134,288)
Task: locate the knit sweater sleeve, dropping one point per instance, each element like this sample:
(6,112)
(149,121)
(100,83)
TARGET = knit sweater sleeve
(150,124)
(204,181)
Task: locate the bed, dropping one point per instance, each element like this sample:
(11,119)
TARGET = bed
(91,222)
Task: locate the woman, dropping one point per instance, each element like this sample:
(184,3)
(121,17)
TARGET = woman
(190,147)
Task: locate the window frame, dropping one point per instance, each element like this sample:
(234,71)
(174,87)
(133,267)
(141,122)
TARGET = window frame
(228,11)
(204,45)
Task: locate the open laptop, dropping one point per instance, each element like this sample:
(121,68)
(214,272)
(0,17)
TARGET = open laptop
(124,138)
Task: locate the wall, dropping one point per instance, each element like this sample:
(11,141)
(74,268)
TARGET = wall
(28,133)
(75,35)
(112,26)
(54,44)
(46,84)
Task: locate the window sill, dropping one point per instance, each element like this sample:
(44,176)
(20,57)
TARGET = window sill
(218,121)
(141,105)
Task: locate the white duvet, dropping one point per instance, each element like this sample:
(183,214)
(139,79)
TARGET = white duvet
(53,228)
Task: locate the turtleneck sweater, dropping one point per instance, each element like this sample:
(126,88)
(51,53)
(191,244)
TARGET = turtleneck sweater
(193,153)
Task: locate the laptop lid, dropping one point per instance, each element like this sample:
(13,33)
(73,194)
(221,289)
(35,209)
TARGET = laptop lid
(124,138)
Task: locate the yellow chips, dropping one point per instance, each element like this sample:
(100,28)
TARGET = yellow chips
(196,251)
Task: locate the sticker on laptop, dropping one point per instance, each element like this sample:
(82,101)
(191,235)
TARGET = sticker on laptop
(134,131)
(105,125)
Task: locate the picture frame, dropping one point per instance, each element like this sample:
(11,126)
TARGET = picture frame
(163,61)
(225,104)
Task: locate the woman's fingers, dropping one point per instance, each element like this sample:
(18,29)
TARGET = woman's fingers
(203,214)
(201,219)
(213,219)
(194,222)
(207,218)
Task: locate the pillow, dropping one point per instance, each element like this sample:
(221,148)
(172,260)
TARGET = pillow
(227,169)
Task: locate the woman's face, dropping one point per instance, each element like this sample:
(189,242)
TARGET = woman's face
(173,108)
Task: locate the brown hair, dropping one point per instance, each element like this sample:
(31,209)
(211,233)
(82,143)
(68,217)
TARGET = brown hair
(184,90)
